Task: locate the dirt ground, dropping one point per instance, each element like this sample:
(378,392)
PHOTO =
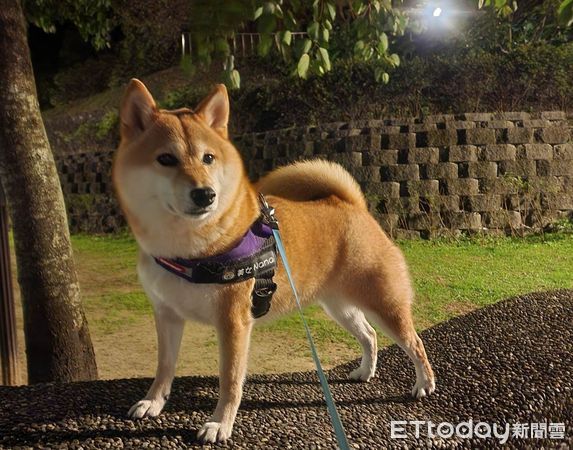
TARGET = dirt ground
(130,350)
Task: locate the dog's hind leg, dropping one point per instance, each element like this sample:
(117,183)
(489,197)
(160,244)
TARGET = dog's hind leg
(351,318)
(401,330)
(169,332)
(388,304)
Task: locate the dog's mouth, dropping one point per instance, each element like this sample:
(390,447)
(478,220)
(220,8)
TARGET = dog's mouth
(197,212)
(193,213)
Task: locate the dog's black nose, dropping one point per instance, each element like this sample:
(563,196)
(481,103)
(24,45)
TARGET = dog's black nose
(203,196)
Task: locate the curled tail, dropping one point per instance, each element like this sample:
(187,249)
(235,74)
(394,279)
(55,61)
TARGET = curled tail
(312,180)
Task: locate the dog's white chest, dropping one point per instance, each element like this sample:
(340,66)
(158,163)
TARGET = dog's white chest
(189,300)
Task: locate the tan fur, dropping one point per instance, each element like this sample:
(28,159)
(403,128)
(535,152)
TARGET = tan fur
(337,251)
(312,180)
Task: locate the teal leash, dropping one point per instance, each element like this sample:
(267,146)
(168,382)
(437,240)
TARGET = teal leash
(330,405)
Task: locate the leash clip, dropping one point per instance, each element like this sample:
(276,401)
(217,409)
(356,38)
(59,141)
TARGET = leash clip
(268,213)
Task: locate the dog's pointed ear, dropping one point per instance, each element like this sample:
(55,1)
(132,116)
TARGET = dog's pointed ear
(214,109)
(138,110)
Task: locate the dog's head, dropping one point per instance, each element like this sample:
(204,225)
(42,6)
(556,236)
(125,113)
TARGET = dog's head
(175,168)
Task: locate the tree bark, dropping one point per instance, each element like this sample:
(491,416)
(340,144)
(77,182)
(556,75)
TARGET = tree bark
(58,343)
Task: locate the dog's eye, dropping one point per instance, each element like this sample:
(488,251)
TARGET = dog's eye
(167,159)
(208,158)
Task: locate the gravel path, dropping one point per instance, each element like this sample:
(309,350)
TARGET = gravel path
(507,363)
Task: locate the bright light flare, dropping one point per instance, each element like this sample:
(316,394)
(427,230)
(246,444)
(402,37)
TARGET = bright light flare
(437,12)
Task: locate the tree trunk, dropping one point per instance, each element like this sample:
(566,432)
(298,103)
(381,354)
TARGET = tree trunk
(58,343)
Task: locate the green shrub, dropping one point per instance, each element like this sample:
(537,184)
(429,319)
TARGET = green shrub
(151,32)
(146,39)
(81,80)
(108,124)
(454,81)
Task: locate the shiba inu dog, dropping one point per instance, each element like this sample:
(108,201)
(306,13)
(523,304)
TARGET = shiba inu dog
(185,193)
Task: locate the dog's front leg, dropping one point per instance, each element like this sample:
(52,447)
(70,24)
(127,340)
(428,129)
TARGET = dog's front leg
(169,331)
(234,331)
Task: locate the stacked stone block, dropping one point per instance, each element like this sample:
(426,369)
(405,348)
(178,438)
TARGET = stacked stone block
(480,172)
(88,191)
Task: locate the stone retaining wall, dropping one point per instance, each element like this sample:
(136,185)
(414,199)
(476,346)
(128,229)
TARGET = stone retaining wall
(481,172)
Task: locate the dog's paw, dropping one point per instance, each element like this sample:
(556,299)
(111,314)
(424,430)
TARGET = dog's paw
(146,408)
(213,432)
(362,374)
(423,388)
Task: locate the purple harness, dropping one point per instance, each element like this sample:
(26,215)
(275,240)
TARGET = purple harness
(254,257)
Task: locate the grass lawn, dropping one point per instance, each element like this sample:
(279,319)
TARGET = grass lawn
(450,277)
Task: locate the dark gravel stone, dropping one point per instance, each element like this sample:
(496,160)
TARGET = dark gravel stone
(507,363)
